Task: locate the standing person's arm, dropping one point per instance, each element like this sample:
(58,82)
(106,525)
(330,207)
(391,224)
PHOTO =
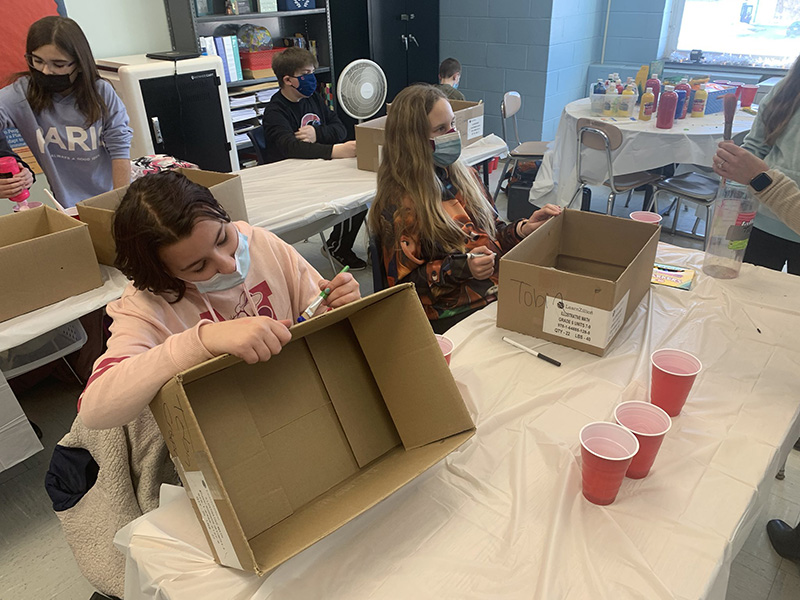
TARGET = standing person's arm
(10,187)
(117,136)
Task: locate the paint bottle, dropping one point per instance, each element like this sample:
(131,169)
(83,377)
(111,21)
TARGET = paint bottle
(684,85)
(610,101)
(682,99)
(620,87)
(627,103)
(666,108)
(646,107)
(654,84)
(699,102)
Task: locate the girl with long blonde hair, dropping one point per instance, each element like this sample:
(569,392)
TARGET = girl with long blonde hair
(436,224)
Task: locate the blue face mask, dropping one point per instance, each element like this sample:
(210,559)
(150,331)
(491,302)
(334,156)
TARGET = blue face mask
(455,85)
(225,281)
(307,84)
(446,149)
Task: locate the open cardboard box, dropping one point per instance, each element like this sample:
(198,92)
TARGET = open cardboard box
(277,455)
(45,256)
(370,134)
(577,279)
(98,212)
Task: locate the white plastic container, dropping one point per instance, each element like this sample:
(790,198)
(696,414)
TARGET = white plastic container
(734,213)
(43,349)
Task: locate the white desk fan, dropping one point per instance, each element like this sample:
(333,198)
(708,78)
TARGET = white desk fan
(361,90)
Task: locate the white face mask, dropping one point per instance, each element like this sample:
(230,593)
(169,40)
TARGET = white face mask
(225,281)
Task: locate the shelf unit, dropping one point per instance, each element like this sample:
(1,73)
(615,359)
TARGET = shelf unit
(314,24)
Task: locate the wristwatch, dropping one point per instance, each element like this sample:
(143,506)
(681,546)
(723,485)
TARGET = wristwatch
(760,182)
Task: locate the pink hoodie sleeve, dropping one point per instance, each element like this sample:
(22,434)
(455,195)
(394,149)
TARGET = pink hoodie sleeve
(141,357)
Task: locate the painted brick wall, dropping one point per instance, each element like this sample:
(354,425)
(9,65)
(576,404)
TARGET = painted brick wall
(502,45)
(540,48)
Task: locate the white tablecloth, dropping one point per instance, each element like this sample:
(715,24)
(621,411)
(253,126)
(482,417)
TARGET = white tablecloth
(503,516)
(295,198)
(644,146)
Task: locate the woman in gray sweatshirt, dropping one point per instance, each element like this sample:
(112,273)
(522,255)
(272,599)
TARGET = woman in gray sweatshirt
(72,120)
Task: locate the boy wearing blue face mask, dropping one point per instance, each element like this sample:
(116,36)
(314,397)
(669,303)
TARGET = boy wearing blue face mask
(298,124)
(449,78)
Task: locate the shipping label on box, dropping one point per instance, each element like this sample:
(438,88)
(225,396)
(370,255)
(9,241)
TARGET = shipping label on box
(576,279)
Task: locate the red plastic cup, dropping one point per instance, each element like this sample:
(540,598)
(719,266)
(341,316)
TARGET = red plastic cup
(446,346)
(672,377)
(738,85)
(649,424)
(606,452)
(645,216)
(747,94)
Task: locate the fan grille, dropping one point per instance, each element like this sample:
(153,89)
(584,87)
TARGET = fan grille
(362,90)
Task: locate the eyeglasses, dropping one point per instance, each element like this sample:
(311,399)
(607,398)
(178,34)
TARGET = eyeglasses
(38,63)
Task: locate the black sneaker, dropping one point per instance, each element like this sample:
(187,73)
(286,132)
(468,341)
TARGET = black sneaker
(346,258)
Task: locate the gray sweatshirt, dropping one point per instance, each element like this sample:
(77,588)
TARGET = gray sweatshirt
(784,156)
(76,159)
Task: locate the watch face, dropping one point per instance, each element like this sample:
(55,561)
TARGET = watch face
(760,182)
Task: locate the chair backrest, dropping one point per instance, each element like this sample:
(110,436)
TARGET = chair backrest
(509,108)
(379,280)
(259,144)
(596,133)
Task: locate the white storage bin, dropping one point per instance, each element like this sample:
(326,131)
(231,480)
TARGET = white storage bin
(43,349)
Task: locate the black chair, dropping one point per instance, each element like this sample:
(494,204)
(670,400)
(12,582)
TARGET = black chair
(259,144)
(379,280)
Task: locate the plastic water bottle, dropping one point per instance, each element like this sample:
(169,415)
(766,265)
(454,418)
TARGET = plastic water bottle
(734,213)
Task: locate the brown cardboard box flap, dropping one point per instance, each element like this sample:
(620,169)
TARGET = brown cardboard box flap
(45,256)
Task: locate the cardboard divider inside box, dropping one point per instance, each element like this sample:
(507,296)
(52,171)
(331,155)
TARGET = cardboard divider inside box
(370,135)
(45,256)
(98,212)
(577,279)
(279,454)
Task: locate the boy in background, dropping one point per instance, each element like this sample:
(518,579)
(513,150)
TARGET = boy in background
(298,124)
(449,77)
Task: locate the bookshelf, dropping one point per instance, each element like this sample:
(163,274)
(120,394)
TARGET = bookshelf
(186,27)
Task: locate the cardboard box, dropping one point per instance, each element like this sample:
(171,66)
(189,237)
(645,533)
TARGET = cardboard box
(277,455)
(370,134)
(45,257)
(576,279)
(98,212)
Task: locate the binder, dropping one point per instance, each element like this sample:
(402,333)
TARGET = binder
(237,57)
(220,45)
(229,57)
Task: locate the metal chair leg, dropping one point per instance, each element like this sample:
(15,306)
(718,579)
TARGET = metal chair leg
(328,254)
(503,176)
(578,193)
(610,208)
(781,474)
(628,201)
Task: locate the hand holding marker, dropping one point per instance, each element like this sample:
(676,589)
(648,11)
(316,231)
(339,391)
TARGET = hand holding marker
(312,308)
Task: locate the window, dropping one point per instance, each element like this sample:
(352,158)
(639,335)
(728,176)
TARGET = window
(751,33)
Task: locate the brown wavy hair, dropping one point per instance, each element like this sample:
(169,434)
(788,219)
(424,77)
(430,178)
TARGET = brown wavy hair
(782,105)
(407,171)
(67,36)
(156,211)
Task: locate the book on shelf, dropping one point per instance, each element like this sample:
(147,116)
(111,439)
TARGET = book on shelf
(231,49)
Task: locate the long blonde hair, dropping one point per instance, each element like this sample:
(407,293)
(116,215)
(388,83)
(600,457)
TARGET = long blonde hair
(407,171)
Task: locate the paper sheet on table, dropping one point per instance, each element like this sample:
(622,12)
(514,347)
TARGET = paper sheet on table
(504,517)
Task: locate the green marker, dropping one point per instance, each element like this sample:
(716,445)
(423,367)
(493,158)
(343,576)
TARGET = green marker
(312,308)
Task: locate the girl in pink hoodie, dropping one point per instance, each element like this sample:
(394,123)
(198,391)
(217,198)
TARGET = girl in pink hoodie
(200,286)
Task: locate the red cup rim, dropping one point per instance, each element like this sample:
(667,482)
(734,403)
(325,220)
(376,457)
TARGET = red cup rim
(700,368)
(447,340)
(625,429)
(658,409)
(652,219)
